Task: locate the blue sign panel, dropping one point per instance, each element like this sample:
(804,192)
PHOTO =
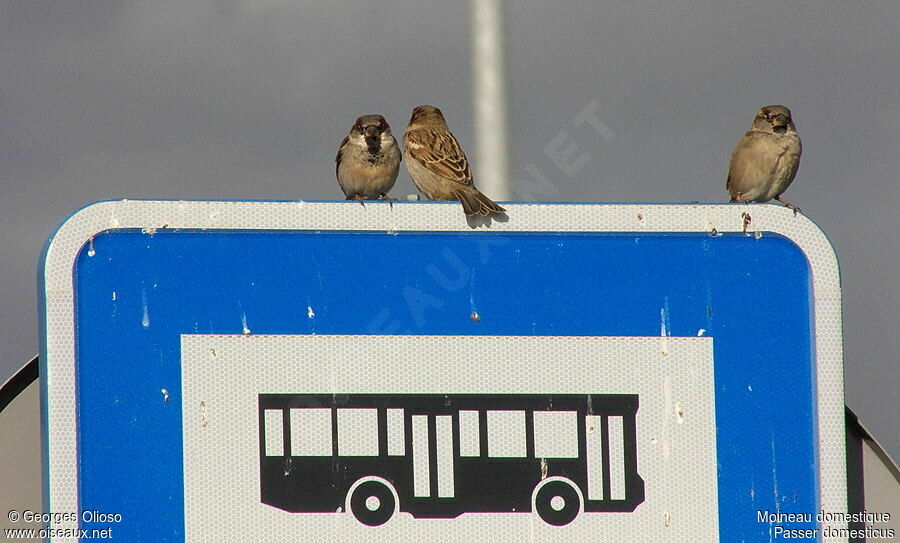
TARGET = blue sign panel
(162,274)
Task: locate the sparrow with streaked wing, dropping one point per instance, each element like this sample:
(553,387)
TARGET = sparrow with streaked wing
(766,159)
(368,160)
(437,164)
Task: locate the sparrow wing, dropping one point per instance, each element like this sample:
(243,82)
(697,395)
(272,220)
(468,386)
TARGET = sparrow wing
(340,153)
(440,153)
(752,164)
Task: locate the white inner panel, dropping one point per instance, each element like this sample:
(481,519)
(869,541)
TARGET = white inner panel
(222,457)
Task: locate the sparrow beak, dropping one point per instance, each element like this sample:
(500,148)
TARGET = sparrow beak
(780,123)
(372,132)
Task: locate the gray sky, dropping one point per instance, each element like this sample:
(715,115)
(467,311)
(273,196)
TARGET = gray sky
(249,99)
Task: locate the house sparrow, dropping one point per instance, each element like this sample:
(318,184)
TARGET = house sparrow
(437,164)
(368,160)
(766,159)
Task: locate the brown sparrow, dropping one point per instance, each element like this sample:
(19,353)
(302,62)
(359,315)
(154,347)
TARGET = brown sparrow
(368,160)
(766,159)
(437,164)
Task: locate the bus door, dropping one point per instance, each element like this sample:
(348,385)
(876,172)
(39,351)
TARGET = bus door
(432,455)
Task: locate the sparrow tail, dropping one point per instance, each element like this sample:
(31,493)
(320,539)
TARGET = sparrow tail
(475,203)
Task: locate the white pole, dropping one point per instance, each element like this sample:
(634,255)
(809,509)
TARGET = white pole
(491,170)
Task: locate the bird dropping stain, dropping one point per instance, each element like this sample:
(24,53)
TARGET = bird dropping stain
(665,328)
(145,319)
(775,478)
(745,221)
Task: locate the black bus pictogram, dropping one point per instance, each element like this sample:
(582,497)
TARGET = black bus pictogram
(439,456)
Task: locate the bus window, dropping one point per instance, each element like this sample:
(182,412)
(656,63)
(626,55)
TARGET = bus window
(469,443)
(310,432)
(274,432)
(420,455)
(444,452)
(556,434)
(357,432)
(506,434)
(616,458)
(396,445)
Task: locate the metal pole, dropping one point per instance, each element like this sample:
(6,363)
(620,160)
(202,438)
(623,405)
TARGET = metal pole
(489,94)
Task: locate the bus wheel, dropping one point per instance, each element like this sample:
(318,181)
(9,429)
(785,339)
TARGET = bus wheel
(557,502)
(372,503)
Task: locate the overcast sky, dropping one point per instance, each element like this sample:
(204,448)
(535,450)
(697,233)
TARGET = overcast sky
(249,100)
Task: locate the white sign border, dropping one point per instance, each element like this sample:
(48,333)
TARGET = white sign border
(58,345)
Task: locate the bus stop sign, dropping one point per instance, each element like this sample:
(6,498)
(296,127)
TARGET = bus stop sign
(269,371)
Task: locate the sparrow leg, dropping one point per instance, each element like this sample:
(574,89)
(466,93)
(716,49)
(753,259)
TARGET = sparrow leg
(788,204)
(361,199)
(384,197)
